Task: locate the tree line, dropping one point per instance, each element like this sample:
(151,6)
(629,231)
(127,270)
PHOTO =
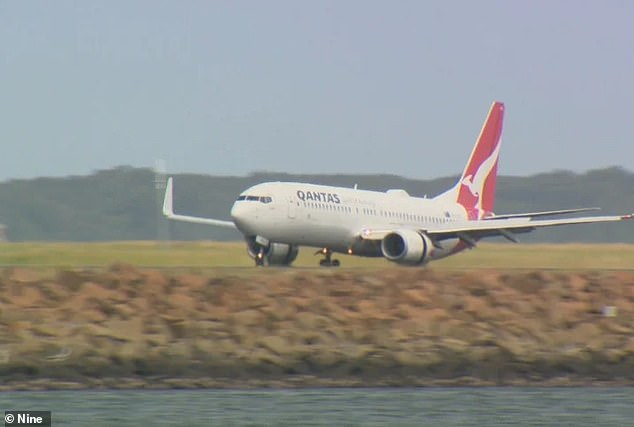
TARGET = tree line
(124,203)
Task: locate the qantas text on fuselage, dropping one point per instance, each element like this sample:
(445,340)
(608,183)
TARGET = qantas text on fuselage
(276,218)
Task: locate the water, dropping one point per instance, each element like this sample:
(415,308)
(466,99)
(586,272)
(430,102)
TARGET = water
(334,407)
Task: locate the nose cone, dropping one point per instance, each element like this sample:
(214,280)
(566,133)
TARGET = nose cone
(243,215)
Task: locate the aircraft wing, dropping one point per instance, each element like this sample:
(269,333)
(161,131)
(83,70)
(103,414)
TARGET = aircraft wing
(471,231)
(168,211)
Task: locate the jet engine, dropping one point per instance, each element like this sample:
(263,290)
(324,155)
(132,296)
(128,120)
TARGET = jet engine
(407,247)
(272,253)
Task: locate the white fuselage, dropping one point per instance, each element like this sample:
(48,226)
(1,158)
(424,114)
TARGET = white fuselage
(335,217)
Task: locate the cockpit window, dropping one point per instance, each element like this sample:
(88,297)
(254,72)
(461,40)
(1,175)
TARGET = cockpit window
(261,199)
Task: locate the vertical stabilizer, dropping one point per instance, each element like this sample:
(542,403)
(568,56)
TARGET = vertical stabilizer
(475,190)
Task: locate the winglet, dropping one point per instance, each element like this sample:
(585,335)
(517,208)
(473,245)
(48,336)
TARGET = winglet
(168,203)
(630,216)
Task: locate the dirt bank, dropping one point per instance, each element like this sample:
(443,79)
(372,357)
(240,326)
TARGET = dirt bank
(129,327)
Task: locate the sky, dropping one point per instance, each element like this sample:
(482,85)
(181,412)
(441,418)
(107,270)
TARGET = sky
(376,87)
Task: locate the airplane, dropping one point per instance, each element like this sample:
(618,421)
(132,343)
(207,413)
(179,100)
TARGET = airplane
(276,218)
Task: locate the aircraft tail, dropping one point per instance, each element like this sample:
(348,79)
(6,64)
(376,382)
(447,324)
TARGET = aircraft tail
(475,190)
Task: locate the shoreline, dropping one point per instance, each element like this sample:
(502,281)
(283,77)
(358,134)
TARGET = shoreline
(164,384)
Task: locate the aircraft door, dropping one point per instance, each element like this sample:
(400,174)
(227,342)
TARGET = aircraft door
(292,208)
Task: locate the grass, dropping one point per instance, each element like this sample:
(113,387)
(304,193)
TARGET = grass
(569,256)
(233,254)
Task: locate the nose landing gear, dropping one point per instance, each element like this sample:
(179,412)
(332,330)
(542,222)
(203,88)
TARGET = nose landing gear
(259,257)
(327,261)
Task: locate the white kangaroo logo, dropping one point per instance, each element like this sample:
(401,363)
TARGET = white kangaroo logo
(475,184)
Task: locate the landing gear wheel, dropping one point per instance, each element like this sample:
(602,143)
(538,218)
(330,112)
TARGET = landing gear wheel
(259,258)
(327,261)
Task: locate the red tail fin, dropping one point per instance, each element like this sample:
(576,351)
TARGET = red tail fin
(476,188)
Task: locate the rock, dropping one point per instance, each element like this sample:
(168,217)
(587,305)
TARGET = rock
(191,282)
(94,315)
(156,340)
(393,326)
(71,279)
(568,312)
(617,326)
(300,303)
(154,283)
(416,297)
(96,291)
(181,302)
(179,350)
(94,330)
(628,348)
(407,358)
(46,330)
(177,326)
(25,296)
(312,322)
(276,344)
(478,307)
(247,317)
(223,347)
(263,359)
(454,345)
(22,276)
(15,327)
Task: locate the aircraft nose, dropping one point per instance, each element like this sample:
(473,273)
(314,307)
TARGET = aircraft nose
(237,212)
(242,216)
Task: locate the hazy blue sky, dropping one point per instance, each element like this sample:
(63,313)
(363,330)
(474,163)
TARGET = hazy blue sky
(232,87)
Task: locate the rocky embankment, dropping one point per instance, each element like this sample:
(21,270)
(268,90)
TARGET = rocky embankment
(128,327)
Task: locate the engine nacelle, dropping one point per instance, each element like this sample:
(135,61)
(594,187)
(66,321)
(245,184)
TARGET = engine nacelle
(407,247)
(274,253)
(281,254)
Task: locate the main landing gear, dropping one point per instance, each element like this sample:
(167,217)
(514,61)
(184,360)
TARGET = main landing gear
(327,261)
